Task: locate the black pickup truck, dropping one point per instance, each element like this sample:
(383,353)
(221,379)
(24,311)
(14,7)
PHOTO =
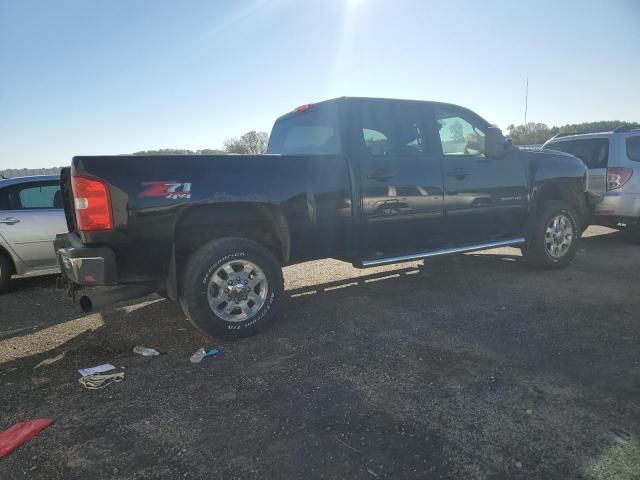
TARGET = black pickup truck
(368,181)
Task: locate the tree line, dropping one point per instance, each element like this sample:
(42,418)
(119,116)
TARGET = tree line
(255,143)
(251,143)
(538,133)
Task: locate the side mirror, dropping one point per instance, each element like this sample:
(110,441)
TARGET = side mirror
(495,145)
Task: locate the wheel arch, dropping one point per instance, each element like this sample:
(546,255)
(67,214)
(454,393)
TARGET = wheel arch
(199,224)
(12,264)
(568,192)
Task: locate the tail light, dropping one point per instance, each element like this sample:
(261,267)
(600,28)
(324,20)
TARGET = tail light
(303,108)
(93,208)
(617,177)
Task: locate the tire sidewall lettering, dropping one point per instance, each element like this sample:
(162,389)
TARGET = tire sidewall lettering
(203,293)
(210,271)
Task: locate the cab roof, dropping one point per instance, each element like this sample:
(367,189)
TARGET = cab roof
(361,100)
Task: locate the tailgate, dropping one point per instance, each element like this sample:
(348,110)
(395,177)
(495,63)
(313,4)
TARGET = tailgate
(67,199)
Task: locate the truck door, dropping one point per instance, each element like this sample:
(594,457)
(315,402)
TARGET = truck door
(485,198)
(400,179)
(31,215)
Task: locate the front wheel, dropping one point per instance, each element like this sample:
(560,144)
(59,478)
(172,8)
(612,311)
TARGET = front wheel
(552,236)
(231,287)
(5,271)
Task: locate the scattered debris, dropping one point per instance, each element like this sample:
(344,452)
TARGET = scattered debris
(85,372)
(98,381)
(348,446)
(145,351)
(198,355)
(51,360)
(20,433)
(201,353)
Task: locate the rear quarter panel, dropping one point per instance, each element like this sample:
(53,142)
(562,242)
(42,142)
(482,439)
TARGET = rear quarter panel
(312,193)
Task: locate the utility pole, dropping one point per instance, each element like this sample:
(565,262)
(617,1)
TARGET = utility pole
(526,104)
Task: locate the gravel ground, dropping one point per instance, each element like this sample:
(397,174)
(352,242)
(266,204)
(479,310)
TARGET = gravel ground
(472,367)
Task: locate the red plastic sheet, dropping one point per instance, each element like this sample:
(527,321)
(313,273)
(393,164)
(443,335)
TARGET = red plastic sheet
(20,433)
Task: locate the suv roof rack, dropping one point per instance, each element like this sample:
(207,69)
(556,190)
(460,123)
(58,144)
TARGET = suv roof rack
(625,128)
(620,129)
(558,135)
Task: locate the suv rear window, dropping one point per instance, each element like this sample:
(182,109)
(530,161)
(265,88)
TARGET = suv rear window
(594,152)
(633,148)
(312,132)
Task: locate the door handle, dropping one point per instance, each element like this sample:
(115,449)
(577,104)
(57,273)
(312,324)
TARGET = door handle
(458,173)
(9,221)
(380,175)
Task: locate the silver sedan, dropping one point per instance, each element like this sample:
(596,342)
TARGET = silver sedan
(31,214)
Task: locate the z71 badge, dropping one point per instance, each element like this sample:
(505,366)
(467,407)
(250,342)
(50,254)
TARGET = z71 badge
(170,190)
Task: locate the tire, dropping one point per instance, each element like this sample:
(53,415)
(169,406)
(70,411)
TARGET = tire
(632,233)
(550,250)
(6,269)
(243,307)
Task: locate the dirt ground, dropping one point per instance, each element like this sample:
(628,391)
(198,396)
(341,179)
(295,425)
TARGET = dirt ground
(473,367)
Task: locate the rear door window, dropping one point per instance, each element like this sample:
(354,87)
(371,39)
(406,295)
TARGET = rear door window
(633,148)
(4,199)
(389,131)
(31,197)
(312,132)
(594,152)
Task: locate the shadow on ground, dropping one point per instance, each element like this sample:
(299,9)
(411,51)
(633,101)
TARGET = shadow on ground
(473,367)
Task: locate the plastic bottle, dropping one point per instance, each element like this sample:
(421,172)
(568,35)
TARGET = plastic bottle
(198,356)
(145,351)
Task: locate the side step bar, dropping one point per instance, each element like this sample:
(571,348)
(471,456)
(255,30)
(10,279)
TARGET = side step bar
(445,251)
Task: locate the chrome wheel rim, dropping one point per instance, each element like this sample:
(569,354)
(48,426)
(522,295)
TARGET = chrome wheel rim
(237,290)
(559,236)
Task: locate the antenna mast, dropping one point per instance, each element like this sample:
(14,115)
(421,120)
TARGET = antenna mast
(526,104)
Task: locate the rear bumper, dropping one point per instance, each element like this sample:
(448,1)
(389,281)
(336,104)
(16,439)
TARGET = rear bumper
(619,204)
(85,265)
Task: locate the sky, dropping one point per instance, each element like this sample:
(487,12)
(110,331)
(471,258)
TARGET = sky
(88,78)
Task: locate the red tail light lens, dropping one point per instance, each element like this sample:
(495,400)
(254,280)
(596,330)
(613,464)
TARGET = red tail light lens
(617,177)
(303,108)
(93,208)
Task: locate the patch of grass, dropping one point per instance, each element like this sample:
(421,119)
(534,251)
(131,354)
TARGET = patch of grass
(618,462)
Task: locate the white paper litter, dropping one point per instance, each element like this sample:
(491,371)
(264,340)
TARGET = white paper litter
(85,372)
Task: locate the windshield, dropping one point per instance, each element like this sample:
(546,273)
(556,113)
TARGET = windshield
(313,132)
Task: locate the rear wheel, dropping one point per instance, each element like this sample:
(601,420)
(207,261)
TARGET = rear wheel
(632,232)
(552,236)
(231,287)
(6,269)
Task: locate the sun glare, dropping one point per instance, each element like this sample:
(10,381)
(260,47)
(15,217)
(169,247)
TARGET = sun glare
(352,4)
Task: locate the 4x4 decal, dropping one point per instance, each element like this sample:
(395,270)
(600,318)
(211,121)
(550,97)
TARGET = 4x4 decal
(172,190)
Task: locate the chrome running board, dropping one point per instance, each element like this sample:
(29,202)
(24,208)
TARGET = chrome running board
(445,251)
